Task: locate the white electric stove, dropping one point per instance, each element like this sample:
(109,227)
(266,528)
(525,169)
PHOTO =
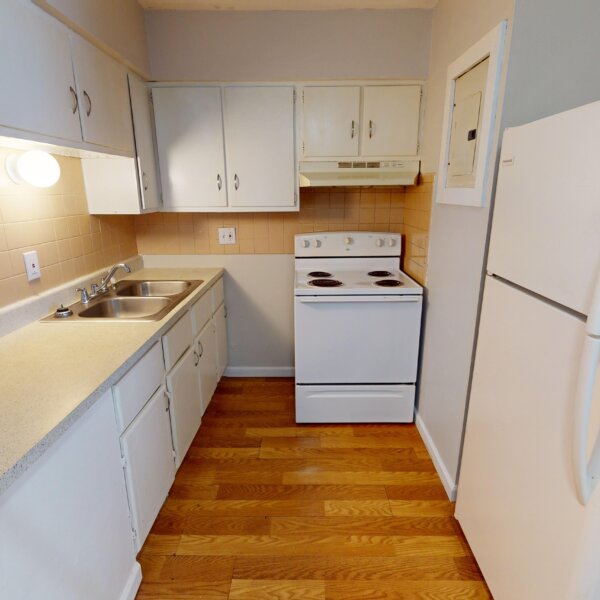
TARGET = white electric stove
(357,329)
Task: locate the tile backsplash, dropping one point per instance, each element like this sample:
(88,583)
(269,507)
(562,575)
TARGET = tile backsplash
(404,210)
(55,222)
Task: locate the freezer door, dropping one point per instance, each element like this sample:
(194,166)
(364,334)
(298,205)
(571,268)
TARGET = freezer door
(517,498)
(545,232)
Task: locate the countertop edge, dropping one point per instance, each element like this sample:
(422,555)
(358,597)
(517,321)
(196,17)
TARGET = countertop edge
(13,473)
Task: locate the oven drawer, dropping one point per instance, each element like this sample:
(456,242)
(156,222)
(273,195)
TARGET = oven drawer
(357,339)
(355,404)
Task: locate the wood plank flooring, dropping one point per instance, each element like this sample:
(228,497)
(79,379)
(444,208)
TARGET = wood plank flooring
(264,509)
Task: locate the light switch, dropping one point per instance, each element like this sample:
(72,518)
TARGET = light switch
(227,235)
(32,265)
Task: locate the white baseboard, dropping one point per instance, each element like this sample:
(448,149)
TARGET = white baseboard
(259,371)
(133,583)
(447,481)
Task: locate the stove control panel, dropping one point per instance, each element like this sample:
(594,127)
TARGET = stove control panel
(344,243)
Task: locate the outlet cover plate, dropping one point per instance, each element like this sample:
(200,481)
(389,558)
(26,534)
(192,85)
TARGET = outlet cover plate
(227,235)
(32,265)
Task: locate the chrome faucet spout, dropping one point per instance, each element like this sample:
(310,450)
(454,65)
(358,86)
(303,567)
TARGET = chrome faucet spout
(105,283)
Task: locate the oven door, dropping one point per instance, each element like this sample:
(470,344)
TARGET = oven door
(357,339)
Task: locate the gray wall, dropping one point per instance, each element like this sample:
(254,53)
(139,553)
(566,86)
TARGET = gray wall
(254,46)
(458,237)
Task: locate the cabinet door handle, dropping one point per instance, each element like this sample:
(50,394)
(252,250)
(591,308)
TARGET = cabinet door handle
(236,181)
(352,131)
(225,311)
(197,357)
(370,129)
(201,348)
(75,99)
(219,182)
(88,111)
(145,181)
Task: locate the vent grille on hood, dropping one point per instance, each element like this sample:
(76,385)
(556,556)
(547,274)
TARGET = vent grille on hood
(353,173)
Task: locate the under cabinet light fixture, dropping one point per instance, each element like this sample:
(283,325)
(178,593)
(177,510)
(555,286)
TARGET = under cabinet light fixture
(35,167)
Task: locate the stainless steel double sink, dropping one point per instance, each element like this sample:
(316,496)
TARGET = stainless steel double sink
(132,300)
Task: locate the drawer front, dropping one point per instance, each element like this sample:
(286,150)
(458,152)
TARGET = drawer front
(137,386)
(177,340)
(218,294)
(201,312)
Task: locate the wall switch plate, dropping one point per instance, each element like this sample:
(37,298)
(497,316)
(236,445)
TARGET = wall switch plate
(32,265)
(227,235)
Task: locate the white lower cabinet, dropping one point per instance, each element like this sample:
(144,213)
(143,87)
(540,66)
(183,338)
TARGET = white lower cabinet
(220,319)
(64,525)
(147,449)
(206,349)
(186,407)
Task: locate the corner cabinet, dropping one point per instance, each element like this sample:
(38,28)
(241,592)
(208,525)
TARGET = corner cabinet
(227,148)
(370,121)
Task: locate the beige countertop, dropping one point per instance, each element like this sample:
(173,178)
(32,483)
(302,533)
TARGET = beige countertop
(52,372)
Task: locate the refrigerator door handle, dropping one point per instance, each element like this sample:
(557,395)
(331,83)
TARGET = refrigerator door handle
(587,473)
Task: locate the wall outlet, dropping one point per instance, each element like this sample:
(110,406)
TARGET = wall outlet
(227,235)
(32,265)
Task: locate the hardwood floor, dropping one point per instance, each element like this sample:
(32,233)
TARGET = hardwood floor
(264,509)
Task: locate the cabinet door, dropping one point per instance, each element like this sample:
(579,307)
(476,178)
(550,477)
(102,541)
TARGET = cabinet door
(147,447)
(186,407)
(103,97)
(221,330)
(38,88)
(331,121)
(206,347)
(189,134)
(259,138)
(143,127)
(390,123)
(64,524)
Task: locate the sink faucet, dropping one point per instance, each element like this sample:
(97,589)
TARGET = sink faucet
(105,283)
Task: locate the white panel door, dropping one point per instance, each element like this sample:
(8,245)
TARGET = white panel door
(517,501)
(390,120)
(330,121)
(64,524)
(221,330)
(547,208)
(189,134)
(259,139)
(103,97)
(206,347)
(143,128)
(38,87)
(186,405)
(147,447)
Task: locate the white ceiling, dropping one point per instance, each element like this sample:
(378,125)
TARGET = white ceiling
(284,4)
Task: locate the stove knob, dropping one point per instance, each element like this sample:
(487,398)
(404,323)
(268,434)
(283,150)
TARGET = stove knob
(305,243)
(379,243)
(391,242)
(347,241)
(318,243)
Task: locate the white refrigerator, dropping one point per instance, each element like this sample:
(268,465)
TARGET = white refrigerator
(531,456)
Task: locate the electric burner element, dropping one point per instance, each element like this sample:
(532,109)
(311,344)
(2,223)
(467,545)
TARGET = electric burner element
(325,282)
(378,273)
(320,274)
(388,283)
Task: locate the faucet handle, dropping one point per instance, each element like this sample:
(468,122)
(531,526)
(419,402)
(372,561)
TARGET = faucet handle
(85,297)
(95,289)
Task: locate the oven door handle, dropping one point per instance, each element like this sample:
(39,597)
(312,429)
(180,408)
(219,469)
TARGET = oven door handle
(355,299)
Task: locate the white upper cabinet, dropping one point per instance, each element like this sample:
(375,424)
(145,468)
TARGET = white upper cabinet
(368,121)
(189,133)
(143,129)
(103,97)
(390,123)
(259,138)
(331,121)
(38,87)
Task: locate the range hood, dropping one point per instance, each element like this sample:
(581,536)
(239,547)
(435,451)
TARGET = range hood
(351,173)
